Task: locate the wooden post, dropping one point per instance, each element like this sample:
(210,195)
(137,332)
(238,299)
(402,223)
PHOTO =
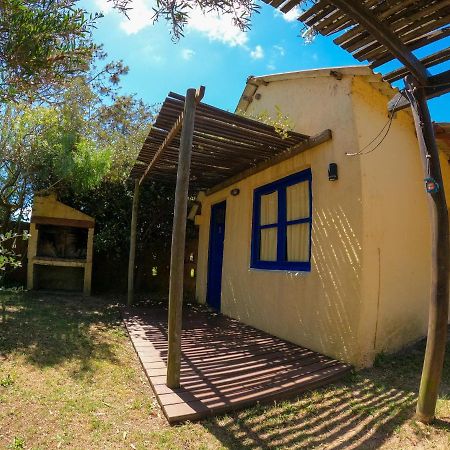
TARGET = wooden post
(88,265)
(32,251)
(131,260)
(178,242)
(438,311)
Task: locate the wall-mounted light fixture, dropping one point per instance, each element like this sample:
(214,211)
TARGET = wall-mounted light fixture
(234,192)
(333,172)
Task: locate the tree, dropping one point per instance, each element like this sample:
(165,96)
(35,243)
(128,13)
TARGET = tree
(87,135)
(82,146)
(42,44)
(7,257)
(64,126)
(45,43)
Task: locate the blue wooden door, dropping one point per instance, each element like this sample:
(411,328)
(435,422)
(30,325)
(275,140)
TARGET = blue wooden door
(215,259)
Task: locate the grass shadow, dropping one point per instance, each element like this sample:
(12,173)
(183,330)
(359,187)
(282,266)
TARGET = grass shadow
(361,412)
(442,424)
(51,329)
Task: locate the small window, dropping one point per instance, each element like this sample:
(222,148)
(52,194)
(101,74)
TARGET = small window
(281,238)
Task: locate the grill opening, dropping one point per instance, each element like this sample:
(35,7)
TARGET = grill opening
(62,242)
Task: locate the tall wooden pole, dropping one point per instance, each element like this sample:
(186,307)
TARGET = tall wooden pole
(132,257)
(438,310)
(178,242)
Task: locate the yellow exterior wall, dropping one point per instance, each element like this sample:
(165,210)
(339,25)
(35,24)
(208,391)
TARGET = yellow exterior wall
(369,287)
(396,221)
(445,167)
(320,309)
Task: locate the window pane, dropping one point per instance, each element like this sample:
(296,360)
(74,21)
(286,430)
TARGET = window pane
(298,242)
(297,201)
(269,208)
(268,249)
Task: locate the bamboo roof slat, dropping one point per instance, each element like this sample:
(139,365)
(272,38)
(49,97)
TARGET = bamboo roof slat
(315,9)
(224,144)
(414,23)
(414,29)
(396,23)
(382,56)
(288,6)
(276,3)
(429,61)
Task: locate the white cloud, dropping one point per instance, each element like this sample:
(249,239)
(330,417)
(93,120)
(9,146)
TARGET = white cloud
(139,15)
(271,66)
(281,51)
(217,28)
(151,54)
(104,6)
(187,53)
(290,16)
(258,53)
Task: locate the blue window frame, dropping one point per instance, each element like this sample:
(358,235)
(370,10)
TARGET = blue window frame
(282,218)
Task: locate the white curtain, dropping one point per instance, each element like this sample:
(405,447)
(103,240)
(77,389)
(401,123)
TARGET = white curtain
(297,201)
(268,238)
(269,208)
(298,242)
(268,250)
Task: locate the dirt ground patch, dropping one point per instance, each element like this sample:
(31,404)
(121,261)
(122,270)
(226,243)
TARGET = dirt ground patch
(69,378)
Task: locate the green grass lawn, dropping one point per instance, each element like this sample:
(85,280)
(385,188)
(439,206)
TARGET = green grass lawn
(69,378)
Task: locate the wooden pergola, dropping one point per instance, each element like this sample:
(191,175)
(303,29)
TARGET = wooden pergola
(380,32)
(200,147)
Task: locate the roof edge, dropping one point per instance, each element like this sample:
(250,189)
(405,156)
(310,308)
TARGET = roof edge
(253,82)
(313,73)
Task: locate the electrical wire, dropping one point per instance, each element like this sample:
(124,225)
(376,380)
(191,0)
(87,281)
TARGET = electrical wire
(387,124)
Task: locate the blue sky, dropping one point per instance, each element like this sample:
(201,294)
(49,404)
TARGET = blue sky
(214,53)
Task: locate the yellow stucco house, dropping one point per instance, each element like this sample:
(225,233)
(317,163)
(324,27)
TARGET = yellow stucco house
(341,266)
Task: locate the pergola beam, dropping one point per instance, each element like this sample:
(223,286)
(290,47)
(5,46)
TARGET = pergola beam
(169,138)
(313,141)
(384,35)
(199,93)
(437,85)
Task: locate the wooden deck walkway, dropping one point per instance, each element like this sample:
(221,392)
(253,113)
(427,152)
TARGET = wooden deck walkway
(226,365)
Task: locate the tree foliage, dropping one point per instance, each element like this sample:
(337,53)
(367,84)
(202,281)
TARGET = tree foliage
(42,44)
(90,135)
(8,258)
(82,146)
(110,203)
(280,121)
(45,43)
(65,127)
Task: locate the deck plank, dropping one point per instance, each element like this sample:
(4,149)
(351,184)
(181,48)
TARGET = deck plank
(225,364)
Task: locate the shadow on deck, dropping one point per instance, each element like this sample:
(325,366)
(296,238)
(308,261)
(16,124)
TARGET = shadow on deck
(225,365)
